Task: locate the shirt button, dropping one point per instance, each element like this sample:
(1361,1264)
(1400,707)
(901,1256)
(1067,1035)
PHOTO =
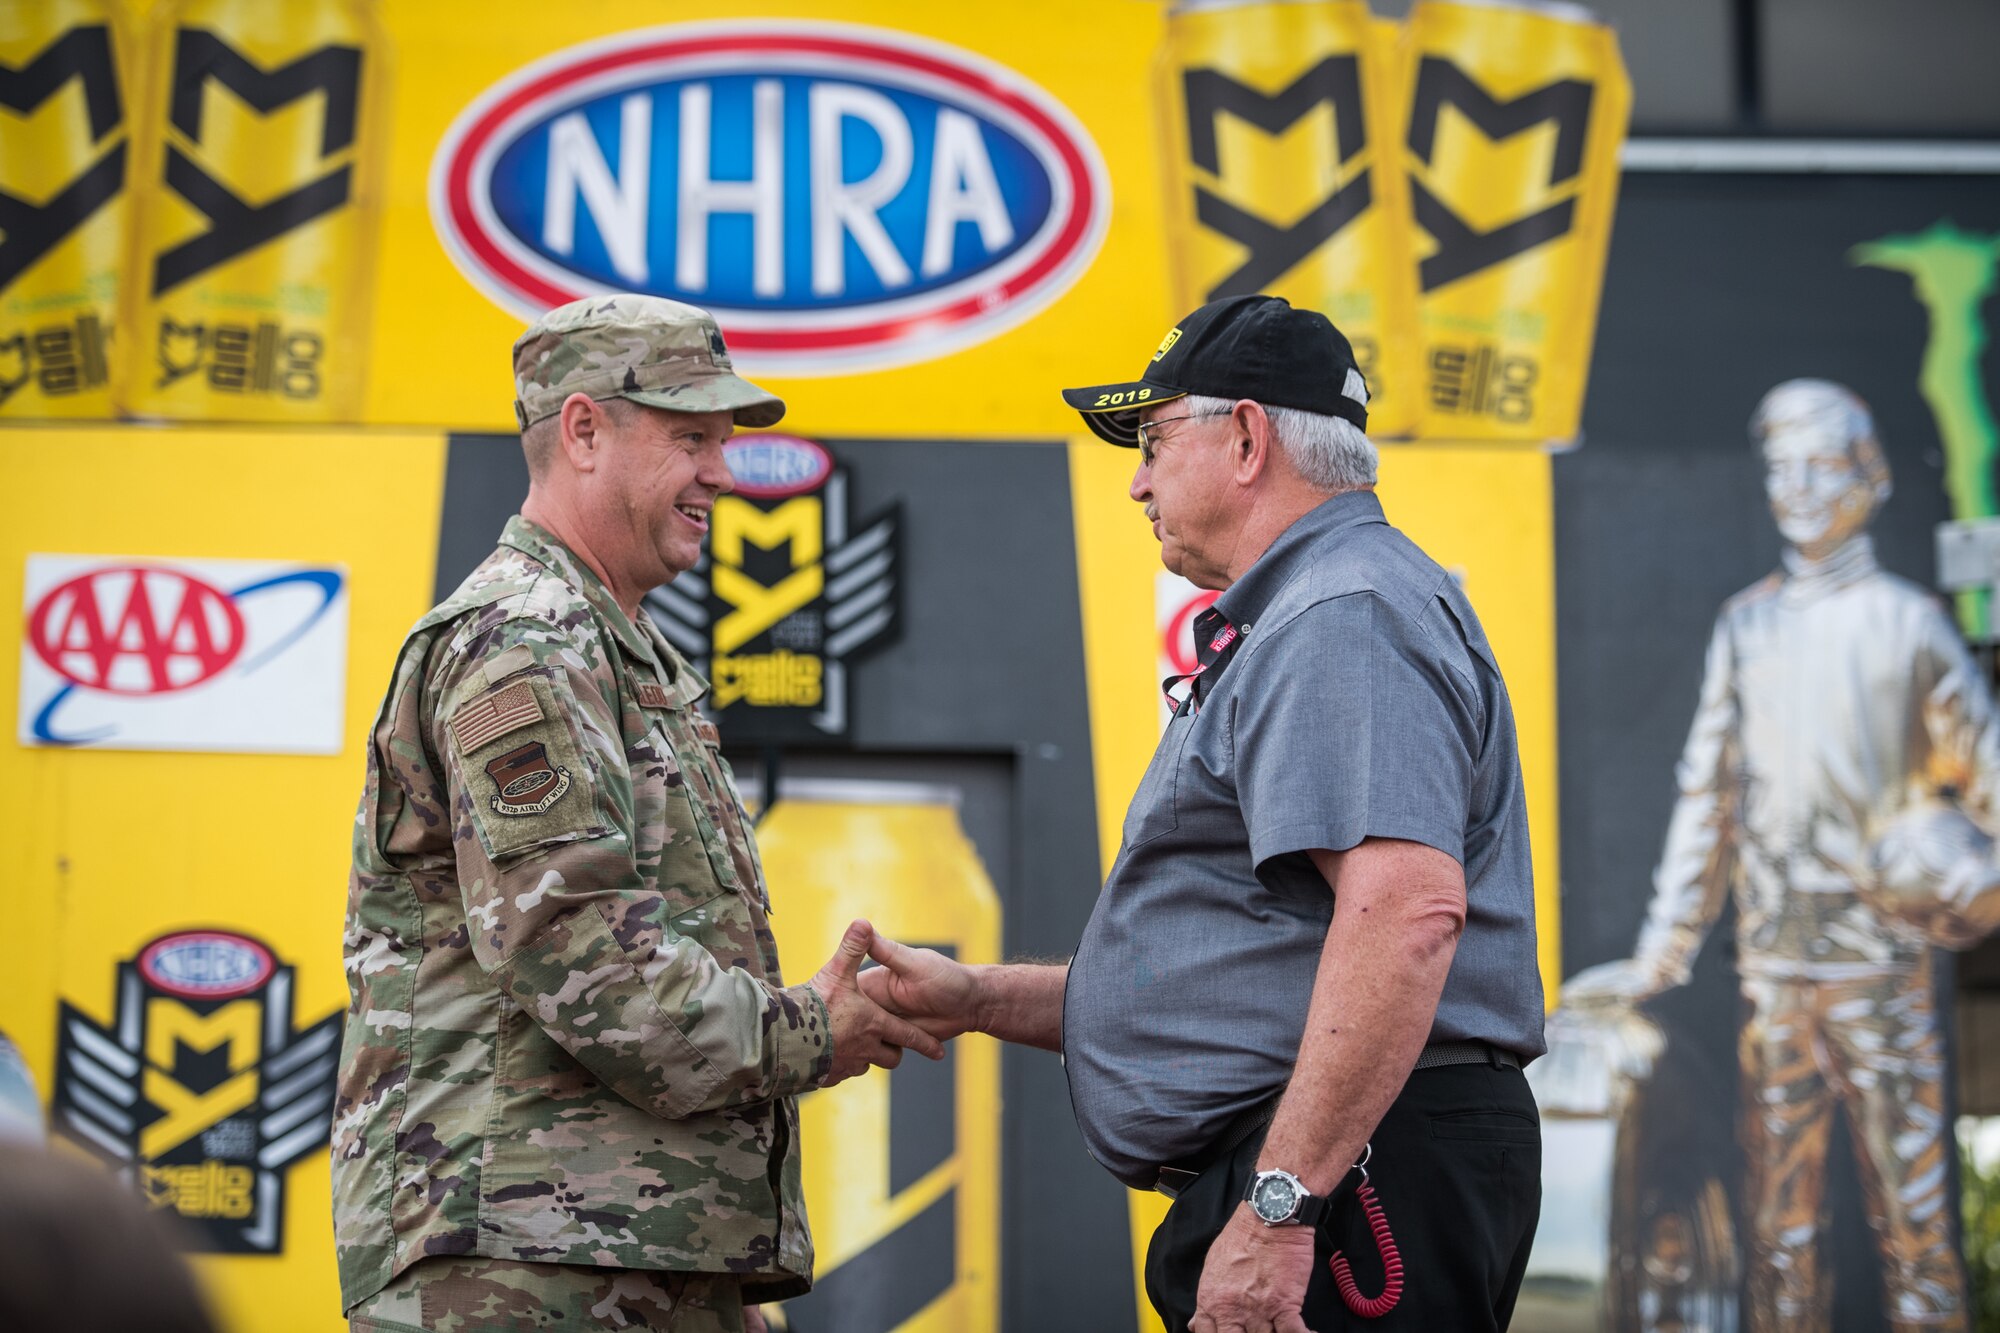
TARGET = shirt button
(1244,628)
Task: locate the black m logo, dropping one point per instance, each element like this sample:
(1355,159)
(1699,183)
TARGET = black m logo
(1274,250)
(1463,251)
(238,226)
(32,230)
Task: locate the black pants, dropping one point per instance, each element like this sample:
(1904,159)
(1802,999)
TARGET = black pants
(1458,1172)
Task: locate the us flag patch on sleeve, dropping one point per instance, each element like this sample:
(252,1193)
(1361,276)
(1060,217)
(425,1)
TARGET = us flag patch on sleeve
(495,715)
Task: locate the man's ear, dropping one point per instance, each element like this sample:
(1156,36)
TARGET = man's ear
(583,421)
(1251,441)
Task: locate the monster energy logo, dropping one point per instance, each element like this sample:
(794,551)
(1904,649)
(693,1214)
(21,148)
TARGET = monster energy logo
(1952,272)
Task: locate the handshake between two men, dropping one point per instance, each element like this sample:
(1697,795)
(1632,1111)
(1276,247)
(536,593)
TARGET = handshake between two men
(918,999)
(571,1066)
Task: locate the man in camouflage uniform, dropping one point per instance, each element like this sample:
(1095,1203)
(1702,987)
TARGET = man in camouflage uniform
(567,1086)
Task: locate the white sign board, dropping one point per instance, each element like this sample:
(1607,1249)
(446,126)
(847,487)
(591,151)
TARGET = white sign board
(156,654)
(1176,603)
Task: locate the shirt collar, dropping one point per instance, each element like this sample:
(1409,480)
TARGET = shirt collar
(541,545)
(1243,603)
(1853,561)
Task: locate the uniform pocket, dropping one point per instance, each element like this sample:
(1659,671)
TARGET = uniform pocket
(672,841)
(723,925)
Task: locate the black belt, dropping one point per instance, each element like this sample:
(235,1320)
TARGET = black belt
(1177,1176)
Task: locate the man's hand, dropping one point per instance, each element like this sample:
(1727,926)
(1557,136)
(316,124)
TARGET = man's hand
(939,994)
(1254,1280)
(863,1032)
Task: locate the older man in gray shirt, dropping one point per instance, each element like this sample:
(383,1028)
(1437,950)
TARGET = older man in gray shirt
(1317,943)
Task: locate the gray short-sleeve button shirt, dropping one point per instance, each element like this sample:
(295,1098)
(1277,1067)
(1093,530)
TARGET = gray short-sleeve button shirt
(1358,699)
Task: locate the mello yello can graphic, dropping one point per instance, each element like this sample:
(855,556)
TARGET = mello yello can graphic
(253,251)
(1281,173)
(1514,116)
(896,854)
(64,151)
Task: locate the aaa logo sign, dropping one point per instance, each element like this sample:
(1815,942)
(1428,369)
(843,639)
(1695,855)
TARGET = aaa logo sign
(189,655)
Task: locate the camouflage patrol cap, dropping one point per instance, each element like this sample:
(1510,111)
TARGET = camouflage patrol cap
(654,351)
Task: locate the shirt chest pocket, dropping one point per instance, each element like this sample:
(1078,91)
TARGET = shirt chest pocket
(676,844)
(1153,811)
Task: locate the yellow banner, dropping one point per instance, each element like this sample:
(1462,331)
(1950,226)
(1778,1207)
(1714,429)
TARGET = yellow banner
(909,219)
(65,140)
(188,902)
(1279,125)
(1514,118)
(256,189)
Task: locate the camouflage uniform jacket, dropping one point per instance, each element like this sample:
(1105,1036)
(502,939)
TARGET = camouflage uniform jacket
(567,1037)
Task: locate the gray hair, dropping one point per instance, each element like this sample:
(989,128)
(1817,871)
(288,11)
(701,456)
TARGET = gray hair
(1329,453)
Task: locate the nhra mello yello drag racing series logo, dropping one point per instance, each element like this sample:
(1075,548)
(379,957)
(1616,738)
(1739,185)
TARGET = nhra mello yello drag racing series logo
(841,197)
(199,1089)
(787,594)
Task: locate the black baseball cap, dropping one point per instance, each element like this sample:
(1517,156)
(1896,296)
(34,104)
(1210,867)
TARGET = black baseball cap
(1238,347)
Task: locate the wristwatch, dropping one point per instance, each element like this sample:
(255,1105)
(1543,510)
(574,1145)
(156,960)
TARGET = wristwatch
(1279,1199)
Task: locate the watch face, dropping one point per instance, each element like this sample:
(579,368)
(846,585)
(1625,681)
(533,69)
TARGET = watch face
(1275,1198)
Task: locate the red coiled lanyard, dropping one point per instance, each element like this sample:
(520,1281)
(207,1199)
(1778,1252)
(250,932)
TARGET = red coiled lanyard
(1370,1307)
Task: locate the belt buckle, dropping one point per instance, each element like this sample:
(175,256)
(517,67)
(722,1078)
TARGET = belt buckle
(1173,1181)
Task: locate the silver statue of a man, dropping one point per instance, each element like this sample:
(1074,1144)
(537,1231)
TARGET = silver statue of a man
(1840,770)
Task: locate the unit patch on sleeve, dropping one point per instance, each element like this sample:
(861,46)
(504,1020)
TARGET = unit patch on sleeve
(529,782)
(519,756)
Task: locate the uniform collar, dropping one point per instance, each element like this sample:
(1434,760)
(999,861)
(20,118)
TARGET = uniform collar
(1244,601)
(542,546)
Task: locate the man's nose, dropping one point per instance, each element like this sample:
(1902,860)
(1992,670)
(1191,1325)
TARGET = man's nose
(714,473)
(1141,488)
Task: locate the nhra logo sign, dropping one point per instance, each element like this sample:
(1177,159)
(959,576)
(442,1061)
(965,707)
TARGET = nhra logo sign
(200,1089)
(191,655)
(840,197)
(785,595)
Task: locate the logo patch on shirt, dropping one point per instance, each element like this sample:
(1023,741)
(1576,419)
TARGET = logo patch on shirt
(528,783)
(653,695)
